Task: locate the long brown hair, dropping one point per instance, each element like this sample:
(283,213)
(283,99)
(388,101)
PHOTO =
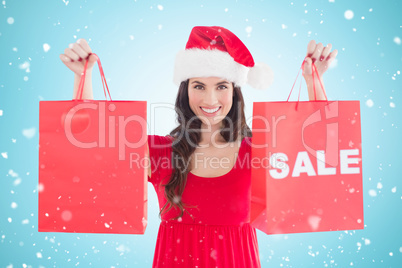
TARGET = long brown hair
(185,141)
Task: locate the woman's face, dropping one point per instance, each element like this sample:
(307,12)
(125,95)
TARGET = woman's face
(210,98)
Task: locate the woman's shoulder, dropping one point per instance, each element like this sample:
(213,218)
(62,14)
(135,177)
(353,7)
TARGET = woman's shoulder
(159,142)
(247,141)
(160,150)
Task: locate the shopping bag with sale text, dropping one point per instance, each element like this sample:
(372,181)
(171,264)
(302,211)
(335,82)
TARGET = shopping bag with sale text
(307,169)
(88,181)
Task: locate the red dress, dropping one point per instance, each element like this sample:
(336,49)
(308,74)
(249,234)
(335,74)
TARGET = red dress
(218,232)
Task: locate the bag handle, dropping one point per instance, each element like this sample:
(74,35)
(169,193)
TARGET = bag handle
(83,75)
(313,70)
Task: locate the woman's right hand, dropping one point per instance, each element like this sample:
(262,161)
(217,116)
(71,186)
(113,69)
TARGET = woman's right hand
(74,56)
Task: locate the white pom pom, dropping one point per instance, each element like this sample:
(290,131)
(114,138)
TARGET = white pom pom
(260,76)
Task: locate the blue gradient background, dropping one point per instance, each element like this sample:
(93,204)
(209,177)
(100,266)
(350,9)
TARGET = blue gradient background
(141,69)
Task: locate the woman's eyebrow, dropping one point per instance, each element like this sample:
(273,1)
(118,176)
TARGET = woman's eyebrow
(197,82)
(222,82)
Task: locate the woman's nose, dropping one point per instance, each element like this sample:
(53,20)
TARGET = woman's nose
(210,97)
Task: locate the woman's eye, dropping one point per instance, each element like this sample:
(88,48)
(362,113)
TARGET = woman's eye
(198,87)
(222,87)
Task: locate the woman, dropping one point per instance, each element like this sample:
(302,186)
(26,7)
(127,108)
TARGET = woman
(201,171)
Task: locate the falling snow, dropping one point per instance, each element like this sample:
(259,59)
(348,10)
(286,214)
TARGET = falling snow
(372,193)
(41,187)
(314,222)
(12,173)
(25,66)
(29,133)
(17,181)
(369,103)
(334,64)
(46,47)
(348,14)
(66,215)
(123,249)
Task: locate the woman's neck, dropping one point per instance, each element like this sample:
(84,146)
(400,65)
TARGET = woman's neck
(211,135)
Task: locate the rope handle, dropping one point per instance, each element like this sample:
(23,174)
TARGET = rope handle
(313,70)
(83,75)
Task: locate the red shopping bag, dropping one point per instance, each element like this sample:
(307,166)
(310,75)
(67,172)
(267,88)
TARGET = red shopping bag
(307,170)
(91,179)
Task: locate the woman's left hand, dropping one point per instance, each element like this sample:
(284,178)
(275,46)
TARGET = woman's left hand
(320,55)
(322,58)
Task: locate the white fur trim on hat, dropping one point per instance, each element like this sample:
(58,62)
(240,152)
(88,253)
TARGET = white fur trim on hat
(260,76)
(205,63)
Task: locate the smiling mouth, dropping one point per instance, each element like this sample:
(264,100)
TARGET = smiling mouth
(211,111)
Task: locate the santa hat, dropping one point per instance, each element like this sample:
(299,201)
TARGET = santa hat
(215,51)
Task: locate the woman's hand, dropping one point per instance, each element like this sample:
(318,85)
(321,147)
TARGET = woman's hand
(74,58)
(322,58)
(75,55)
(320,55)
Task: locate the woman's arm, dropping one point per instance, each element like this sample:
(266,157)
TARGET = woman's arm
(322,58)
(74,58)
(149,161)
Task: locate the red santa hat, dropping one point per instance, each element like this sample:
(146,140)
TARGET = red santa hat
(215,51)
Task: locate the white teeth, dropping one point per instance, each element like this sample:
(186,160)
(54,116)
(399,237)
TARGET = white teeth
(210,111)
